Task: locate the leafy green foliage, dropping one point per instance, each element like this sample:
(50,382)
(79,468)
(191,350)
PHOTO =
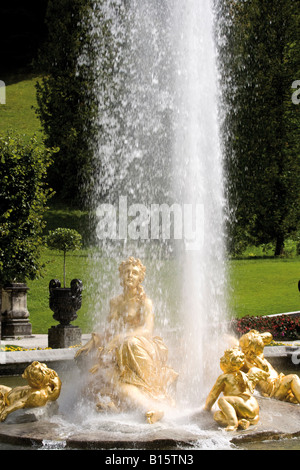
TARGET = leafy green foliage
(23,201)
(64,239)
(66,104)
(259,44)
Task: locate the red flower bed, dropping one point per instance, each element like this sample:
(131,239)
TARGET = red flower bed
(282,327)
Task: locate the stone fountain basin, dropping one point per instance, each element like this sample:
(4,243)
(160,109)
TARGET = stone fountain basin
(278,420)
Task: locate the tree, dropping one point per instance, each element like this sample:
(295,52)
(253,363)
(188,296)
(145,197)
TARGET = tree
(23,201)
(64,239)
(257,44)
(66,104)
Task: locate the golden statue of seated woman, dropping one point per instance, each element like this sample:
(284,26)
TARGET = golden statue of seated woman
(238,407)
(276,385)
(131,369)
(44,385)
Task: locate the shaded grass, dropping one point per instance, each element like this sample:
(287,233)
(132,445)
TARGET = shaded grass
(60,216)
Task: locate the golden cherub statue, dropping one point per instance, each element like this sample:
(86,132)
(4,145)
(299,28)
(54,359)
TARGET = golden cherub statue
(279,386)
(131,369)
(43,385)
(238,407)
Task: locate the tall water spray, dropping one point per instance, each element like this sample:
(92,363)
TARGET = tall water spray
(158,155)
(198,165)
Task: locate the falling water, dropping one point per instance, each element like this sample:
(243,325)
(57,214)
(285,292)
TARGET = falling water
(198,165)
(158,146)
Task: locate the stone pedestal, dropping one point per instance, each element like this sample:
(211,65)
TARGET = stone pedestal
(64,302)
(14,312)
(63,336)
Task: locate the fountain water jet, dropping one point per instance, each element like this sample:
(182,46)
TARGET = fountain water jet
(159,145)
(198,166)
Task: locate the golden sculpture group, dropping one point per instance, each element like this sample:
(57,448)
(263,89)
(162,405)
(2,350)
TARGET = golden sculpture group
(244,368)
(238,407)
(44,385)
(129,367)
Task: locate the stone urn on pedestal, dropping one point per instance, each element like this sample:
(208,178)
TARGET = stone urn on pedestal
(64,302)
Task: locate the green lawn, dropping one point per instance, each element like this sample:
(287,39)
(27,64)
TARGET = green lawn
(18,114)
(264,286)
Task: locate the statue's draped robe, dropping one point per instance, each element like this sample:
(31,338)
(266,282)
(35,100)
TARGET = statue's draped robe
(135,359)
